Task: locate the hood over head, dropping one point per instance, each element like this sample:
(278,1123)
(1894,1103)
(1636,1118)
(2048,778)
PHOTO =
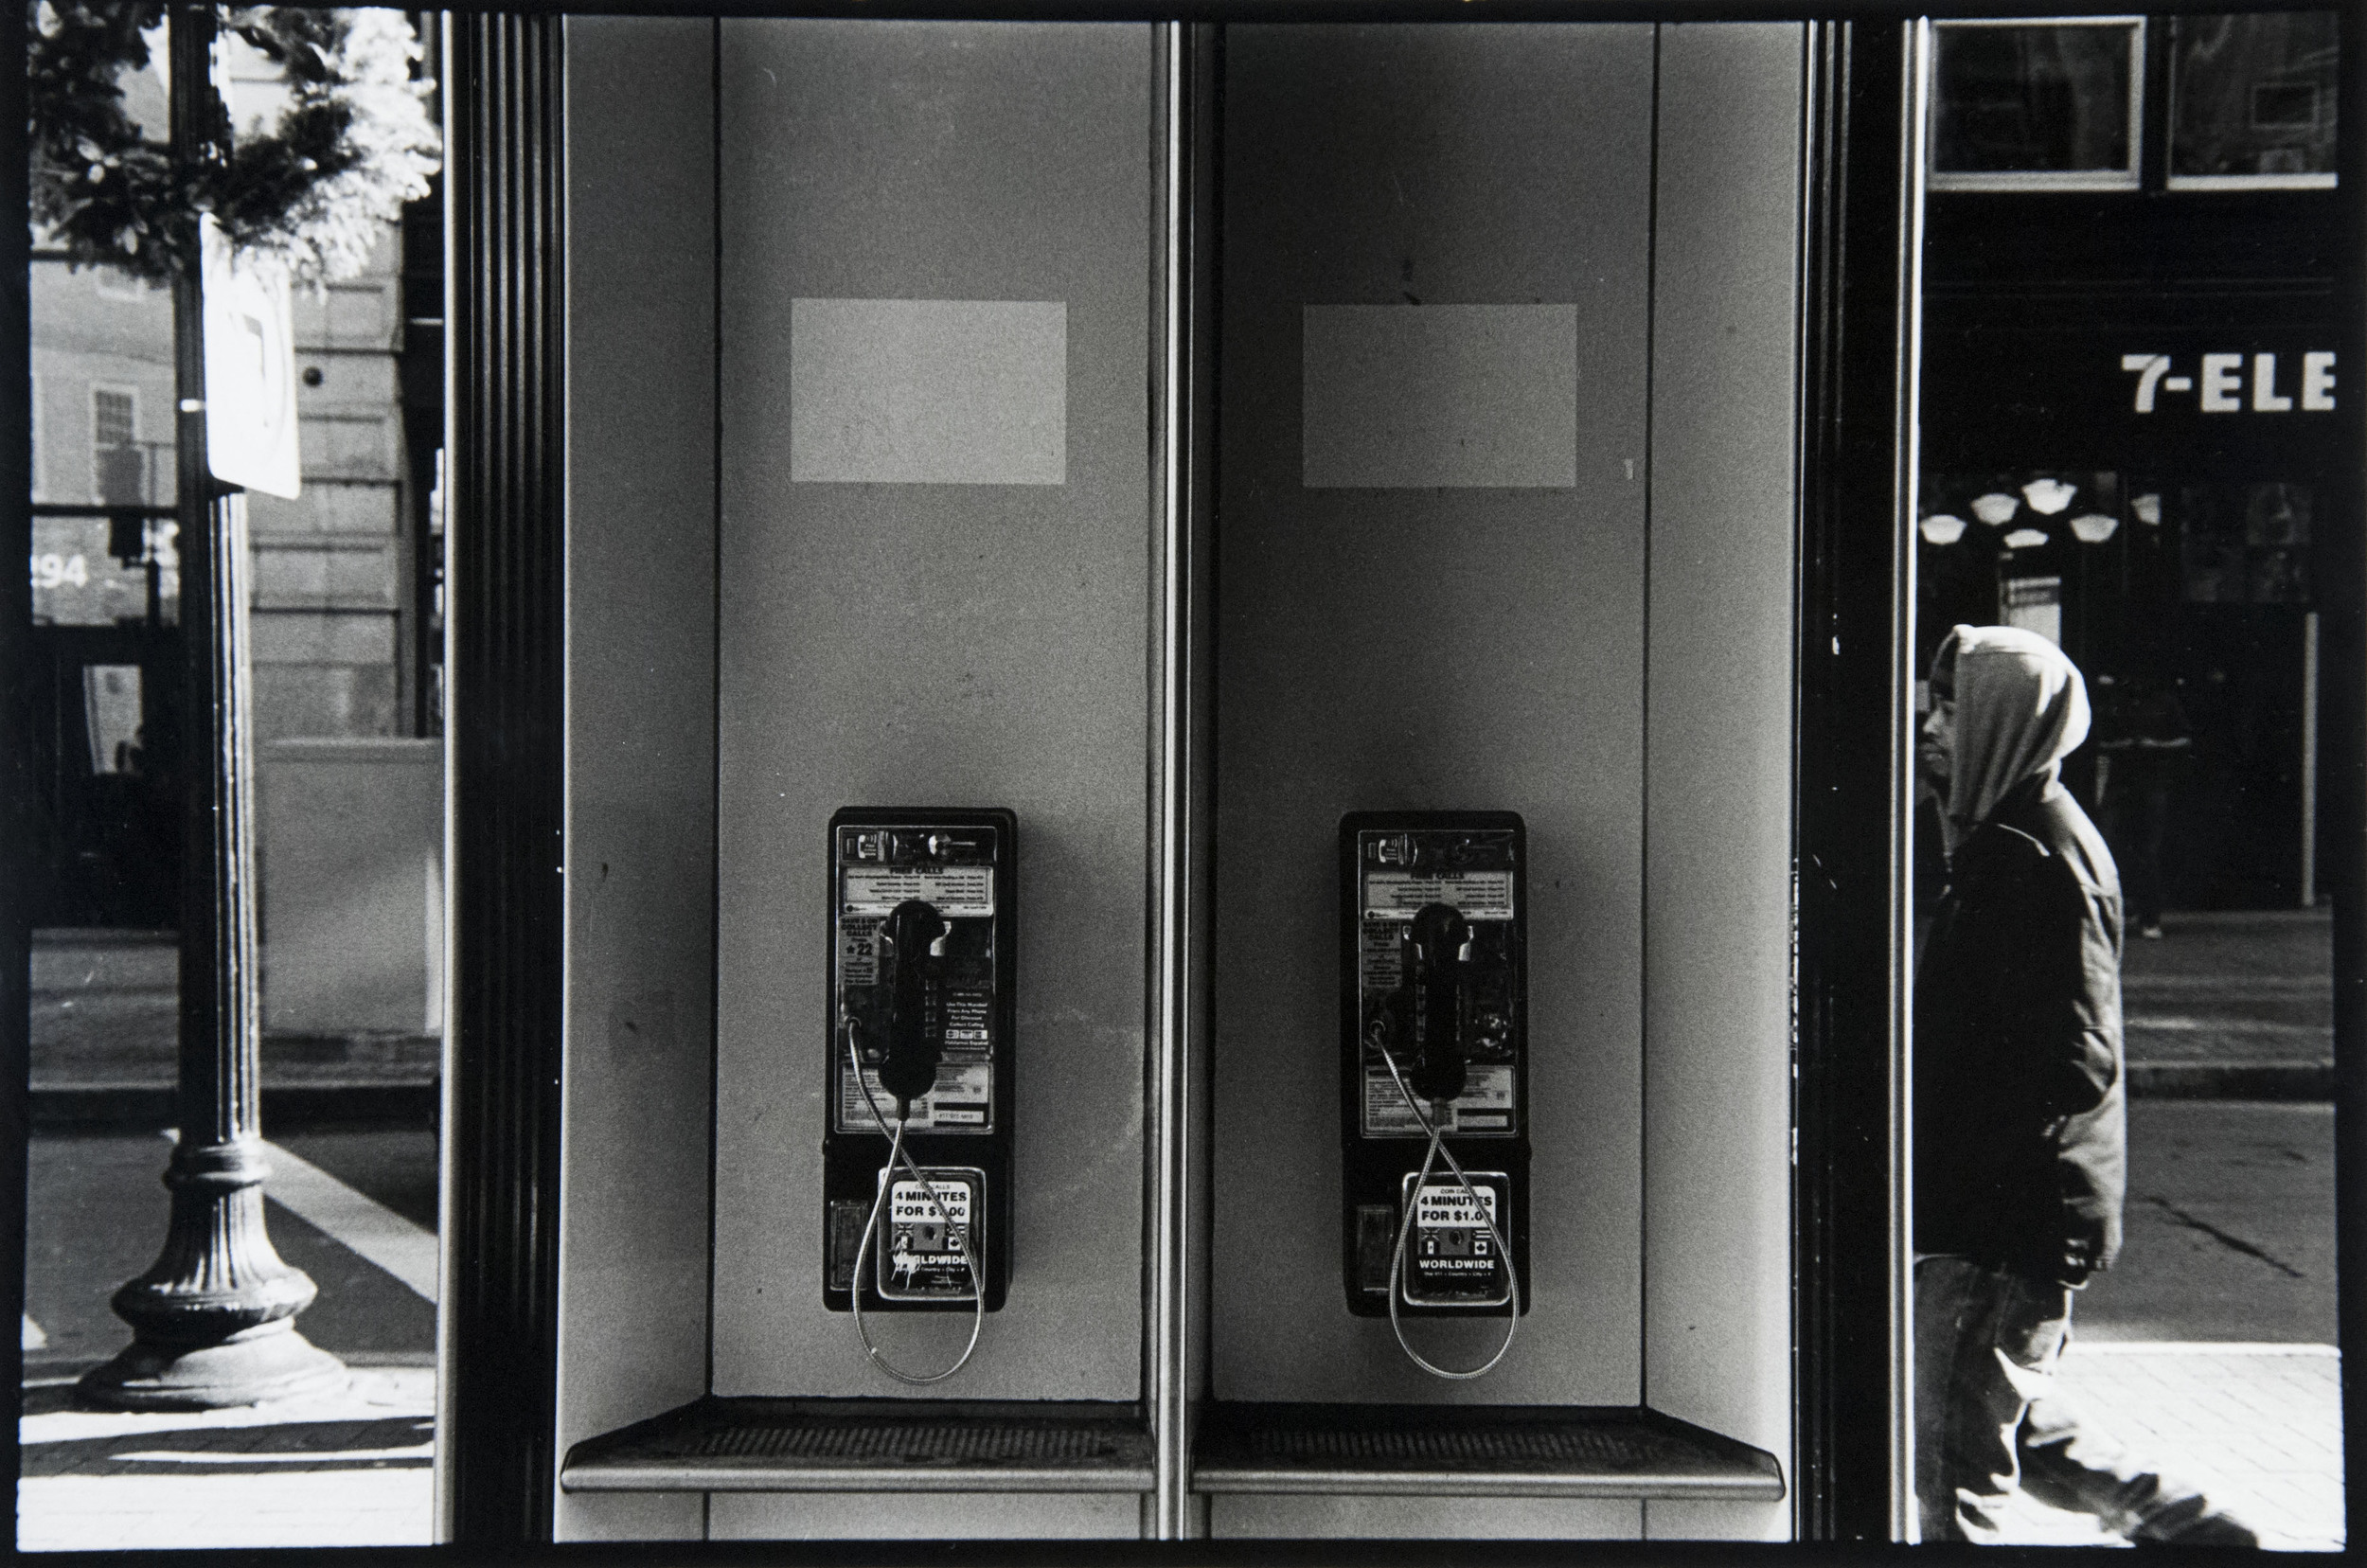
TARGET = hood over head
(2021,708)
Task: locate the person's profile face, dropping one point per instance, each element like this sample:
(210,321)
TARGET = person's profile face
(1937,751)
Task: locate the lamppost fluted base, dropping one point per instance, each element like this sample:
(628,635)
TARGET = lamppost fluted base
(268,1361)
(213,1320)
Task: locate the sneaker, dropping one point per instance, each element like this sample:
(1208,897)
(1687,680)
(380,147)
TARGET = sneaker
(2212,1529)
(2191,1521)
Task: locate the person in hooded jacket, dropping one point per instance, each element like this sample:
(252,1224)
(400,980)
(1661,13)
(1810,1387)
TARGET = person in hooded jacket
(2020,1126)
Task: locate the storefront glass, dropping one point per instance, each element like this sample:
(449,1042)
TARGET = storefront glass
(2252,99)
(2045,102)
(2157,583)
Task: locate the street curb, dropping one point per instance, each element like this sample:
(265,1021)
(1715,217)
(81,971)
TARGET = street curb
(2237,1080)
(285,1109)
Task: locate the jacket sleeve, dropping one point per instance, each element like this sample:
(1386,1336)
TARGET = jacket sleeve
(2062,1008)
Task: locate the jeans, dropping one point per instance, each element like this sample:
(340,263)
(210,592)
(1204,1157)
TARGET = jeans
(1988,1418)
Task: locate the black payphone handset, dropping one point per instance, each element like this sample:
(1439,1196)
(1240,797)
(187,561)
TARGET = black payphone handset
(923,958)
(1433,1025)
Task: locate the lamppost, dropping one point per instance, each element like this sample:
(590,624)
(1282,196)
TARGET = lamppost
(213,1319)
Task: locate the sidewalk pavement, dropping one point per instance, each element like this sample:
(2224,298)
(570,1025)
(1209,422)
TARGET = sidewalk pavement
(2257,1427)
(344,1468)
(350,1468)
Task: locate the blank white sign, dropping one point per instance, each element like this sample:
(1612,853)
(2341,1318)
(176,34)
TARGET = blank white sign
(928,391)
(1402,397)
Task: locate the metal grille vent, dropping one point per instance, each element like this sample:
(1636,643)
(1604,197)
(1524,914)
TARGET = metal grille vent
(1557,1446)
(902,1443)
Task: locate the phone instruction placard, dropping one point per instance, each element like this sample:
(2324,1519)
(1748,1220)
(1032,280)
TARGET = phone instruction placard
(1485,1105)
(961,1100)
(1482,890)
(1474,895)
(959,892)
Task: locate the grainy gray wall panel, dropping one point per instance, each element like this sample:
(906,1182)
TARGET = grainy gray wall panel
(1469,397)
(1717,861)
(640,727)
(632,1516)
(923,1516)
(1429,648)
(1254,1516)
(936,643)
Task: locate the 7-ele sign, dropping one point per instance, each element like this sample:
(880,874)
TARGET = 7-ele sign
(2223,382)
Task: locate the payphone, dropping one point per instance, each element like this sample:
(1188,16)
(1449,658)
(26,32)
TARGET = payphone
(1433,1065)
(916,1148)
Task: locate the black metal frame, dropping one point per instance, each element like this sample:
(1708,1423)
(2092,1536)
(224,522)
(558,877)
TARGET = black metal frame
(1853,404)
(16,720)
(507,682)
(2343,770)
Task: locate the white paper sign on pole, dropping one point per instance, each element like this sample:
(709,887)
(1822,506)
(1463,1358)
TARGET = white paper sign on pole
(250,370)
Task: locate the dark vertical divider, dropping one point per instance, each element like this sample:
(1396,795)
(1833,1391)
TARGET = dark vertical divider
(507,675)
(18,850)
(2342,767)
(1853,407)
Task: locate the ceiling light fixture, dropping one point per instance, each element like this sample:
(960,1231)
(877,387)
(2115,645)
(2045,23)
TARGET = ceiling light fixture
(2048,496)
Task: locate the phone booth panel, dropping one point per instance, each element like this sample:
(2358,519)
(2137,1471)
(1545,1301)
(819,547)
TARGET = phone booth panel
(933,592)
(1407,624)
(634,1238)
(864,608)
(1558,596)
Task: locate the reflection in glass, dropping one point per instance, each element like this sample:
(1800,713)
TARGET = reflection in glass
(2039,98)
(2252,97)
(111,705)
(95,570)
(2245,545)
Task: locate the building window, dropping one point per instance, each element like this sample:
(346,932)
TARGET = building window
(40,448)
(2038,105)
(2252,100)
(118,475)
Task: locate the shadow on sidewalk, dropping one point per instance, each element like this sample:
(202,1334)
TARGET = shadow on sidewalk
(401,1442)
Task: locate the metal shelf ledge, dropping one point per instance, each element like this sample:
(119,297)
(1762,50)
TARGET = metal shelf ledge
(1475,1451)
(870,1445)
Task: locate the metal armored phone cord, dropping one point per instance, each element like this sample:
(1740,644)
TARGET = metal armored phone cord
(1405,1229)
(871,1226)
